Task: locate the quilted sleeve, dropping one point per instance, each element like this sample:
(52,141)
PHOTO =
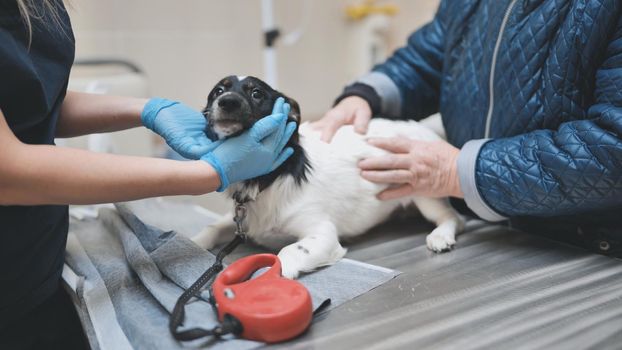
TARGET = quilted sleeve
(408,83)
(576,168)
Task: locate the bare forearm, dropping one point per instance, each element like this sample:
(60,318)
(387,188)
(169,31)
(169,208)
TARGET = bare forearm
(84,113)
(52,175)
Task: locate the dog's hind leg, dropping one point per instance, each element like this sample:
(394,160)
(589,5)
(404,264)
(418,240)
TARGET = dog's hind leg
(448,222)
(318,247)
(219,232)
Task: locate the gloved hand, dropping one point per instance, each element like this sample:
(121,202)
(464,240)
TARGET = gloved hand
(182,127)
(257,151)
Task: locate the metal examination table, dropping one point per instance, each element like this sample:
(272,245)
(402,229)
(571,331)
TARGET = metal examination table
(498,289)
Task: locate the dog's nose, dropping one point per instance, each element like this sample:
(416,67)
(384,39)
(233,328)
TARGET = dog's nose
(229,103)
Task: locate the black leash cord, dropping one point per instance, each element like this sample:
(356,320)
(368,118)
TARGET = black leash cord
(229,325)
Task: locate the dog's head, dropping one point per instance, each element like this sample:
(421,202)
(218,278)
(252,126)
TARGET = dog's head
(236,103)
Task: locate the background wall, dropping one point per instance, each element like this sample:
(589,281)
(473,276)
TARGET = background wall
(186,46)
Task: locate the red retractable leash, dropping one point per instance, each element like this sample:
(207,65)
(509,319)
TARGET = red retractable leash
(269,308)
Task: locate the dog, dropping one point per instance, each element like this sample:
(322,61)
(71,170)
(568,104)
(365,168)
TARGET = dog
(317,196)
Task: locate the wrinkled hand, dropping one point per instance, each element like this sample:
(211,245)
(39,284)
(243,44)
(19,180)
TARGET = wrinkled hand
(422,168)
(351,110)
(257,151)
(182,127)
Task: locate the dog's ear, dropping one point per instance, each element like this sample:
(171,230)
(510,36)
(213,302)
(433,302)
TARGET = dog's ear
(294,112)
(294,115)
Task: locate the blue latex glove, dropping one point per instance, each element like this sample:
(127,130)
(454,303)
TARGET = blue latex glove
(182,127)
(257,151)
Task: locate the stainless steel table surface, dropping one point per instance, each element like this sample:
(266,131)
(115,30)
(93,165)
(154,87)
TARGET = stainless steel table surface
(498,289)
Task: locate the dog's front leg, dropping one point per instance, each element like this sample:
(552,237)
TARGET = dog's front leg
(217,233)
(318,246)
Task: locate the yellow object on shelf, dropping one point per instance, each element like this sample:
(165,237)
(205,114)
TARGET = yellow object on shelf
(358,12)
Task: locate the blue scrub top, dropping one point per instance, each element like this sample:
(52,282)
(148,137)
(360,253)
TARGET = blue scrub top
(33,83)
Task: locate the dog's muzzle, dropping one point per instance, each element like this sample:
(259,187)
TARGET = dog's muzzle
(227,114)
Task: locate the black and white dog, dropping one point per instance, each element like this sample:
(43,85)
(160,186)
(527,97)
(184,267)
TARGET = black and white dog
(317,195)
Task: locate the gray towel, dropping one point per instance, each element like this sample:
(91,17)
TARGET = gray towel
(128,266)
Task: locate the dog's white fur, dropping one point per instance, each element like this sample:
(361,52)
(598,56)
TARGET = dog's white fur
(307,221)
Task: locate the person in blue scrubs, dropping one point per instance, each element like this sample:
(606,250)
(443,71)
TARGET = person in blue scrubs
(39,180)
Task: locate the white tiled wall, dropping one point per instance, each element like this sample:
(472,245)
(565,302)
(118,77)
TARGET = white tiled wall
(185,46)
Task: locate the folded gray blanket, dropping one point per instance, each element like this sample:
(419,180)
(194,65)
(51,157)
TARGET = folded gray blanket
(127,267)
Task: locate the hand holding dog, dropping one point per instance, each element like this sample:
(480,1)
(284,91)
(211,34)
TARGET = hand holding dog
(423,168)
(351,110)
(182,127)
(257,151)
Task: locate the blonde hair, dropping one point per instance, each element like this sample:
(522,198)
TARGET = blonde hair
(47,13)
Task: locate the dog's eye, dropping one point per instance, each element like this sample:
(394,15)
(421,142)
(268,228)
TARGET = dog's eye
(257,94)
(218,91)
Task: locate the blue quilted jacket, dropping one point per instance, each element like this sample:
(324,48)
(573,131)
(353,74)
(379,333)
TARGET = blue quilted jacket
(531,91)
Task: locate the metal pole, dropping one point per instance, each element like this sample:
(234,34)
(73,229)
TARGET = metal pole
(270,58)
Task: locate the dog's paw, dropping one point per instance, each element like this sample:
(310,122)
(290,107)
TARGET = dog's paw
(207,238)
(438,242)
(309,254)
(290,267)
(289,271)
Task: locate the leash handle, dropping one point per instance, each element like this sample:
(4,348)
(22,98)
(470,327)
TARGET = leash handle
(243,269)
(270,307)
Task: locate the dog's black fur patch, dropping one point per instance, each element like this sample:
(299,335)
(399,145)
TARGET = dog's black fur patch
(247,101)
